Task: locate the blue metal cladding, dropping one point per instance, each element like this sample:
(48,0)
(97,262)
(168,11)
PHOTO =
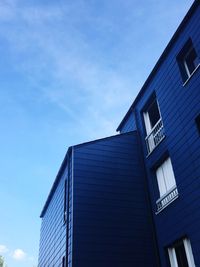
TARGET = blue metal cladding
(57,220)
(111,220)
(53,230)
(69,223)
(179,105)
(129,124)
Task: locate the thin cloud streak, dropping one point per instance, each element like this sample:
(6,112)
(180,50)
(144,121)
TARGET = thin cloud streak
(66,60)
(3,249)
(57,50)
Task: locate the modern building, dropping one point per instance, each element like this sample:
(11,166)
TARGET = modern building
(134,199)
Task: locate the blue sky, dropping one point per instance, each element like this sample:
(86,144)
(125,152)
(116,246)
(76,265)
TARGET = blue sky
(69,71)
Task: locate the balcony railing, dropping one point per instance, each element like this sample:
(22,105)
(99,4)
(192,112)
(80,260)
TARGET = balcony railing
(155,136)
(166,199)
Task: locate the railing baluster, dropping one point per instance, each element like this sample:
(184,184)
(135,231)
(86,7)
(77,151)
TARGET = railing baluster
(165,200)
(155,136)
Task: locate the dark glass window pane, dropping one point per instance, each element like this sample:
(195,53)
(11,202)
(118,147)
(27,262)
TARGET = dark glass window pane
(191,60)
(65,201)
(198,122)
(154,114)
(181,255)
(188,60)
(63,262)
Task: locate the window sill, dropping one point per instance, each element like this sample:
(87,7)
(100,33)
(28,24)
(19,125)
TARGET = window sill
(167,199)
(185,83)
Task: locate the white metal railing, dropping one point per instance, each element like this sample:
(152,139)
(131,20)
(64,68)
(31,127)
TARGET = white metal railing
(166,199)
(155,136)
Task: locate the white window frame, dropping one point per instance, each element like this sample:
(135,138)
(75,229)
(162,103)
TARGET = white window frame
(165,177)
(189,74)
(188,252)
(154,133)
(185,63)
(182,62)
(147,121)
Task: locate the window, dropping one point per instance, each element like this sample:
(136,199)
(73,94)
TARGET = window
(165,177)
(153,125)
(197,120)
(188,60)
(180,254)
(151,116)
(166,184)
(65,203)
(63,262)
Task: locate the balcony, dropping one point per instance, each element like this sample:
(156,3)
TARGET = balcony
(166,199)
(155,136)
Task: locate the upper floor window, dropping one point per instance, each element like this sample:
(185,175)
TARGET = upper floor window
(188,60)
(180,254)
(166,184)
(153,125)
(197,120)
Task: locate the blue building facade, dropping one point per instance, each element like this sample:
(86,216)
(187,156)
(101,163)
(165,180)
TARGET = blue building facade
(133,199)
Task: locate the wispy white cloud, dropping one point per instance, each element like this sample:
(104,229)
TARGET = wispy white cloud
(19,255)
(3,249)
(71,53)
(6,10)
(52,46)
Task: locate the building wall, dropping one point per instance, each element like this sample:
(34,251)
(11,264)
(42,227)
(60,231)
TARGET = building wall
(129,124)
(69,223)
(109,221)
(179,106)
(112,225)
(53,229)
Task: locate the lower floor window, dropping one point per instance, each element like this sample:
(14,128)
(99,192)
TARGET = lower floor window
(180,254)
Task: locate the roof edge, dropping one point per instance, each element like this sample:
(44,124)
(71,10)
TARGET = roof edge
(56,181)
(103,138)
(62,167)
(161,59)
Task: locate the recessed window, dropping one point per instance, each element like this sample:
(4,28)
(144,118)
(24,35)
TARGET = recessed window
(153,125)
(65,202)
(165,177)
(197,120)
(180,254)
(63,262)
(188,60)
(166,184)
(151,116)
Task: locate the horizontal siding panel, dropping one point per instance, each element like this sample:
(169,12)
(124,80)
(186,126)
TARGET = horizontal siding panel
(179,106)
(110,205)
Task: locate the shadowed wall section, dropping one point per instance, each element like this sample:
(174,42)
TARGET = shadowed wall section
(112,225)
